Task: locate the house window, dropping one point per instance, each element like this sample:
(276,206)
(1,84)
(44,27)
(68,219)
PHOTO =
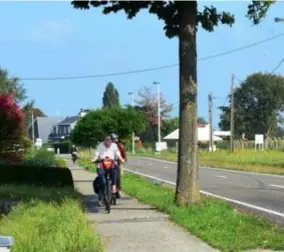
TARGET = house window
(61,130)
(54,130)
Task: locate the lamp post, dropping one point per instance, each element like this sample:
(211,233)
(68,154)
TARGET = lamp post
(277,19)
(133,136)
(159,113)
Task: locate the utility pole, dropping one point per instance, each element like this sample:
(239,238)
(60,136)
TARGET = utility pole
(133,135)
(210,105)
(159,113)
(33,128)
(232,126)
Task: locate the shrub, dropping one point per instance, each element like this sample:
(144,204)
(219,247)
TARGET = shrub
(12,142)
(35,175)
(45,158)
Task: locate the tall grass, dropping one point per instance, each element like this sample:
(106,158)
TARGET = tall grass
(245,160)
(47,220)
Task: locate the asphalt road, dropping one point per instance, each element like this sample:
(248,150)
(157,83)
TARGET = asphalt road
(266,191)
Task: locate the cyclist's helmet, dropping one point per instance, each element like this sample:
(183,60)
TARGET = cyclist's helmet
(114,137)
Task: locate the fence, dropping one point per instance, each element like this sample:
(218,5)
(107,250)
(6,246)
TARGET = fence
(276,144)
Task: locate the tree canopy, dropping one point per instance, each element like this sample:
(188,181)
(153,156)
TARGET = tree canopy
(10,85)
(147,100)
(110,96)
(28,108)
(11,128)
(258,103)
(201,120)
(94,126)
(169,125)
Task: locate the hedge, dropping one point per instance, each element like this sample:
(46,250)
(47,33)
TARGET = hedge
(35,175)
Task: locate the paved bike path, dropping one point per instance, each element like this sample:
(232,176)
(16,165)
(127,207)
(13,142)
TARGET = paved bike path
(132,226)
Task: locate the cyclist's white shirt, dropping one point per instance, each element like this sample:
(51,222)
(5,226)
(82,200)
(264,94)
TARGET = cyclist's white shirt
(112,151)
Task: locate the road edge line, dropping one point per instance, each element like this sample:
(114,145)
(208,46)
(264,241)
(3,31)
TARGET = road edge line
(211,168)
(269,211)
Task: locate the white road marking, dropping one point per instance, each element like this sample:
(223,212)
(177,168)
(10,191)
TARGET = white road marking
(277,186)
(212,168)
(214,195)
(166,167)
(149,164)
(224,177)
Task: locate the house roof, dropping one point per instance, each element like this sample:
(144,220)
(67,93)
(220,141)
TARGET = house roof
(69,120)
(45,125)
(202,132)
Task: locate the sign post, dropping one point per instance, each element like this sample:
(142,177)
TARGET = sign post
(259,140)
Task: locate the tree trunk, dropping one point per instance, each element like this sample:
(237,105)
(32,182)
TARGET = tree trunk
(187,188)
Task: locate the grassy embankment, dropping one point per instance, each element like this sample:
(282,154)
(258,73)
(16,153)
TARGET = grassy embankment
(245,160)
(213,221)
(46,218)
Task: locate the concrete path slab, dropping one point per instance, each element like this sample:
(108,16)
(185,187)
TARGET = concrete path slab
(132,226)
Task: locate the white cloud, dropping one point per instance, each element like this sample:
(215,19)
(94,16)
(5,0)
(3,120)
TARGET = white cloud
(56,31)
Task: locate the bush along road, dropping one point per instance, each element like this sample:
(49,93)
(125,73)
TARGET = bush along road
(213,221)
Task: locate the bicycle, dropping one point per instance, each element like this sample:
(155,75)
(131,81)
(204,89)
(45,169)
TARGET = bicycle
(109,197)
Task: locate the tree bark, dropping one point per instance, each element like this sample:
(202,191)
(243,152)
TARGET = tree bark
(187,188)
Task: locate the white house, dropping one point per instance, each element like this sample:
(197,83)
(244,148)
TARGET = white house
(203,134)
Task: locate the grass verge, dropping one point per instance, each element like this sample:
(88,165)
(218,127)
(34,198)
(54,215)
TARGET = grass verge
(271,162)
(47,220)
(213,221)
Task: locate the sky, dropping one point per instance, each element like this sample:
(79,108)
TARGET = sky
(50,39)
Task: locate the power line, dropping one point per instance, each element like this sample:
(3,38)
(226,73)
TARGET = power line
(279,64)
(216,55)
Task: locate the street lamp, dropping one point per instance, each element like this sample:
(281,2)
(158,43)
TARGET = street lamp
(159,113)
(277,19)
(133,136)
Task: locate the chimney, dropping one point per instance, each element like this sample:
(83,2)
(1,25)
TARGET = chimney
(82,112)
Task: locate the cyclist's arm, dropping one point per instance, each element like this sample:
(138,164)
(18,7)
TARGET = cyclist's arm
(97,154)
(118,154)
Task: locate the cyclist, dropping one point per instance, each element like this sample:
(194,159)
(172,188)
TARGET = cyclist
(123,155)
(107,149)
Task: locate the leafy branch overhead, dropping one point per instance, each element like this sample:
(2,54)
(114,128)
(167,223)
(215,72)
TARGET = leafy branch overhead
(168,11)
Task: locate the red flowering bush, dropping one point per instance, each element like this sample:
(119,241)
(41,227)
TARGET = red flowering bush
(11,128)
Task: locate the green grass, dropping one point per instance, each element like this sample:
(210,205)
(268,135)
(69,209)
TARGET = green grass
(211,220)
(244,160)
(47,220)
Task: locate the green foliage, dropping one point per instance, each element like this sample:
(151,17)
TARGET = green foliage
(64,147)
(258,101)
(10,85)
(44,158)
(168,126)
(168,11)
(97,123)
(27,109)
(35,175)
(257,10)
(201,120)
(111,96)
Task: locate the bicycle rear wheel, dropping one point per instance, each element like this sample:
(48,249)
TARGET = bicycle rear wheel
(108,195)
